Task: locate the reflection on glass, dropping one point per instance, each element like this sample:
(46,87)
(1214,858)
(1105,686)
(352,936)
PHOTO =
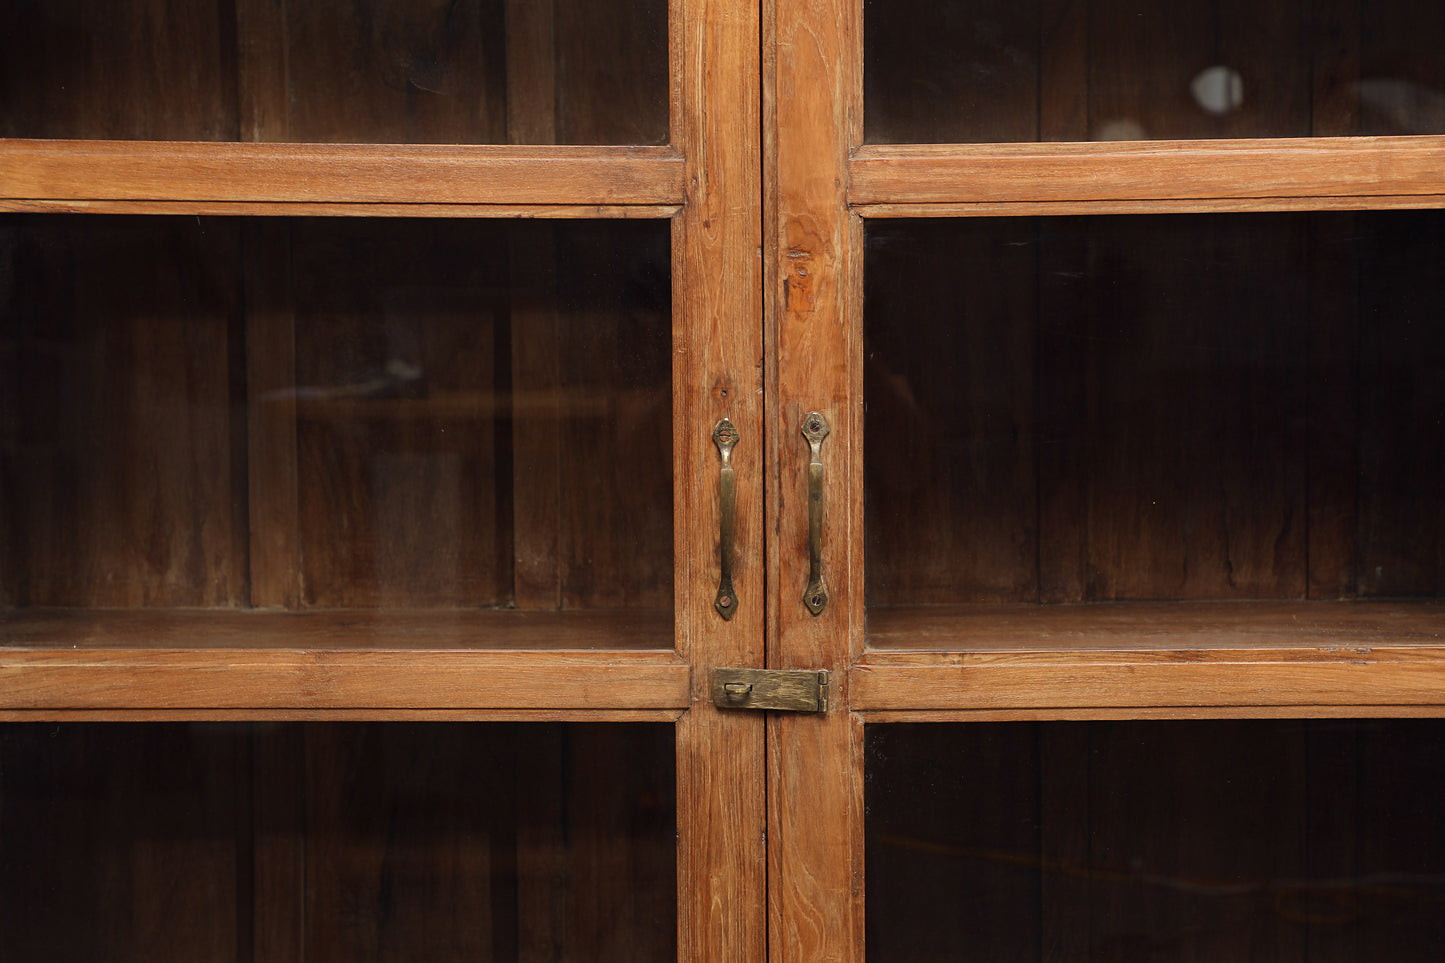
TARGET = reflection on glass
(335,413)
(320,842)
(365,71)
(977,71)
(1202,407)
(1162,841)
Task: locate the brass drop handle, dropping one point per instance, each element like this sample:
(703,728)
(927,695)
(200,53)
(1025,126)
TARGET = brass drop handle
(725,435)
(815,429)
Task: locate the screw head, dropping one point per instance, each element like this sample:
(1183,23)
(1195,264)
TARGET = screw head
(816,600)
(725,601)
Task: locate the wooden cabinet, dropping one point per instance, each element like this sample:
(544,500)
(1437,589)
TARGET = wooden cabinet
(361,512)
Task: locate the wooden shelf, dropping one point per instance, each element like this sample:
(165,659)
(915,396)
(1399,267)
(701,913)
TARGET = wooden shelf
(177,659)
(1150,655)
(1171,626)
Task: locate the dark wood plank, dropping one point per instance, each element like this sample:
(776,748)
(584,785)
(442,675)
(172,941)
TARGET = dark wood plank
(1155,625)
(953,872)
(1334,415)
(1063,70)
(398,511)
(616,484)
(115,69)
(272,482)
(612,71)
(123,842)
(1402,393)
(537,455)
(950,329)
(1184,863)
(1196,472)
(375,72)
(121,476)
(951,72)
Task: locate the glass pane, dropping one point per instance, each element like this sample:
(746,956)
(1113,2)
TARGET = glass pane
(1216,408)
(336,71)
(975,71)
(441,841)
(1162,841)
(335,413)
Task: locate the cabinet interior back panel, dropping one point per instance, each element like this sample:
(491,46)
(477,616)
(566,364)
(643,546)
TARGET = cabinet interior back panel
(979,71)
(365,71)
(334,413)
(319,842)
(1219,407)
(1291,840)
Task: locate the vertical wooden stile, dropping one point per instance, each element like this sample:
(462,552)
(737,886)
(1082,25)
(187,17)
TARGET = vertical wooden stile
(814,304)
(717,373)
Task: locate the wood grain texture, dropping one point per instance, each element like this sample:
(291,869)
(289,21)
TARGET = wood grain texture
(1321,166)
(156,70)
(814,295)
(342,715)
(101,170)
(360,629)
(717,355)
(1155,626)
(120,466)
(341,209)
(304,679)
(126,843)
(271,479)
(1215,205)
(1252,677)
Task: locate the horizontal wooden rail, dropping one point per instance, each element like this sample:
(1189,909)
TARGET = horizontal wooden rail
(1149,170)
(79,171)
(339,679)
(1288,677)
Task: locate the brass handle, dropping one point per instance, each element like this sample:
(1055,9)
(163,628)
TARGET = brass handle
(815,429)
(725,435)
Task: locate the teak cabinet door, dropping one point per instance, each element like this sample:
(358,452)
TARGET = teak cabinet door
(360,369)
(1123,322)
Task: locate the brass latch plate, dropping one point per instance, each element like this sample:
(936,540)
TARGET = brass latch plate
(785,690)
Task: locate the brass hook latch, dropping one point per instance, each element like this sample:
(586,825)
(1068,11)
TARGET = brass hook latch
(783,690)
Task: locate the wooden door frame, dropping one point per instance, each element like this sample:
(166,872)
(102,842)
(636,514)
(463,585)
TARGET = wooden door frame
(823,181)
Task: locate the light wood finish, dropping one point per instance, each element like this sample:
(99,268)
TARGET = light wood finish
(1164,626)
(1217,205)
(341,715)
(1149,170)
(335,629)
(1155,712)
(304,679)
(1249,677)
(815,761)
(717,373)
(341,209)
(347,173)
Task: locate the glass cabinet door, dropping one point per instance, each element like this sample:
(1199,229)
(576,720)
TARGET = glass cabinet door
(1123,323)
(365,536)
